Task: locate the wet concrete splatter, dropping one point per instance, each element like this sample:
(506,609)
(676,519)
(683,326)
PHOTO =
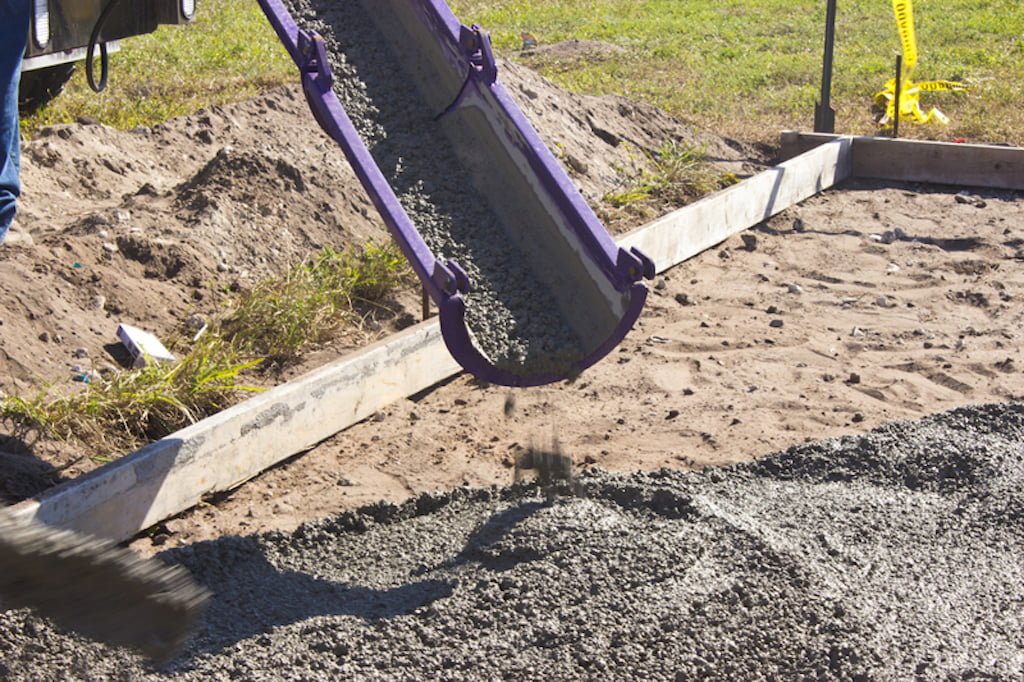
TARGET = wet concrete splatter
(893,555)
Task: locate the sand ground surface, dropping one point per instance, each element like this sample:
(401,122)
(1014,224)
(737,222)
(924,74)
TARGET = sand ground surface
(868,304)
(822,329)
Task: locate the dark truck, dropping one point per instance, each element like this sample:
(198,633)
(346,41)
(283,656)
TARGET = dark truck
(64,32)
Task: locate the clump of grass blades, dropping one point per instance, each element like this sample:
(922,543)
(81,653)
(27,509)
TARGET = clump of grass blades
(139,405)
(678,174)
(278,320)
(286,316)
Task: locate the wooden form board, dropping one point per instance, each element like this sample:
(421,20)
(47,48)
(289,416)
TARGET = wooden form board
(679,235)
(941,163)
(221,452)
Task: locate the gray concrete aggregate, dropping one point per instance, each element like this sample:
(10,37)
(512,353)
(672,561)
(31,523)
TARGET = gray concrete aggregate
(896,554)
(514,320)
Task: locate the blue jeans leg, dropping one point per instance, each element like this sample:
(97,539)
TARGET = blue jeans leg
(14,15)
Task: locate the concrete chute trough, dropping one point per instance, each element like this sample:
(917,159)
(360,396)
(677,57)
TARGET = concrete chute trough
(530,287)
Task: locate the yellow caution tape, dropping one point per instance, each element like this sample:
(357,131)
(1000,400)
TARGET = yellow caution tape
(910,105)
(942,86)
(910,92)
(904,10)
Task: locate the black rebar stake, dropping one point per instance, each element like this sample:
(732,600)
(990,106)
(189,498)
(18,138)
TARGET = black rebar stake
(896,97)
(824,114)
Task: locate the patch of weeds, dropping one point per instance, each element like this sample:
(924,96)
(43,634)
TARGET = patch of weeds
(683,173)
(284,317)
(277,321)
(628,197)
(676,175)
(140,405)
(373,273)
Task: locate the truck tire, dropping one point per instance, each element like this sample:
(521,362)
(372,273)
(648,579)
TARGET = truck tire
(40,86)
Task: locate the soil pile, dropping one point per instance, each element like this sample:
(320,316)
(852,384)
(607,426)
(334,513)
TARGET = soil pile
(890,555)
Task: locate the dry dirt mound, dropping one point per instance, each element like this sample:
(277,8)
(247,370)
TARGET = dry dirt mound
(147,226)
(571,52)
(603,142)
(892,555)
(150,226)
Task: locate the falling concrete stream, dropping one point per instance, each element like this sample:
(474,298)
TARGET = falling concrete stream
(893,555)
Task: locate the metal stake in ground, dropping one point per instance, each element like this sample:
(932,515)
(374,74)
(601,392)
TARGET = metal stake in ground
(896,97)
(824,114)
(97,589)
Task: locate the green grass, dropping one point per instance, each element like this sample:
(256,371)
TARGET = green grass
(129,408)
(678,174)
(273,324)
(227,54)
(286,316)
(752,67)
(747,68)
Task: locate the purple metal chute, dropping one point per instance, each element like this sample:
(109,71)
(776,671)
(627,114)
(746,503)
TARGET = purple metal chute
(596,284)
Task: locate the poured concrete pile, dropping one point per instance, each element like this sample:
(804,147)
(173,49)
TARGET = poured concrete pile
(892,555)
(514,320)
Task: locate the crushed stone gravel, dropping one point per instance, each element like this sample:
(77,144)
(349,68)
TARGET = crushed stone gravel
(897,554)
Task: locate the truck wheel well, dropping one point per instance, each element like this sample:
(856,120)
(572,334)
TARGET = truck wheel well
(39,86)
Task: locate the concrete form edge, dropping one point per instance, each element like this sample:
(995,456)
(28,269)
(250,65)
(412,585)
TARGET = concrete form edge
(218,453)
(940,163)
(173,474)
(682,234)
